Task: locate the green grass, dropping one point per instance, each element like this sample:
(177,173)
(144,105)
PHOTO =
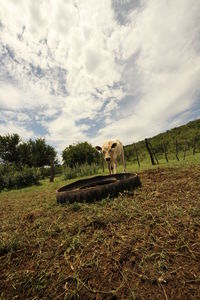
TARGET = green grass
(139,246)
(146,163)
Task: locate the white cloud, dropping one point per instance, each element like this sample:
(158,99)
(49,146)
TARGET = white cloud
(64,131)
(161,47)
(28,97)
(12,116)
(91,70)
(11,127)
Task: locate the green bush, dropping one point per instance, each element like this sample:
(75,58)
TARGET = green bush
(81,153)
(46,171)
(11,177)
(80,171)
(1,182)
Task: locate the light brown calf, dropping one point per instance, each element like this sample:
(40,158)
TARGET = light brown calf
(111,151)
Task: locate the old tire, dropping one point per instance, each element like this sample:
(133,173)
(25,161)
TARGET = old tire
(96,188)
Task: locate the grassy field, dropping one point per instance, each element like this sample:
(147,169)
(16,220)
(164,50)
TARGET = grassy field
(140,246)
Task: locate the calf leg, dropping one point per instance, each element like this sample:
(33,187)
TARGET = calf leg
(123,161)
(110,168)
(115,167)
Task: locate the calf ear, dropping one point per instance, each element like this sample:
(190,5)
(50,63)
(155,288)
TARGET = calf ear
(114,145)
(98,148)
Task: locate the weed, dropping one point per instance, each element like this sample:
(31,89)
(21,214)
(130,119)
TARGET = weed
(75,206)
(80,171)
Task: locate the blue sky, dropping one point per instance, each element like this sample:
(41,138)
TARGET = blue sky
(77,70)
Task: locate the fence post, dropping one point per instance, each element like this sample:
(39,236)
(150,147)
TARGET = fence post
(165,151)
(150,152)
(136,152)
(52,171)
(176,147)
(154,153)
(185,149)
(194,146)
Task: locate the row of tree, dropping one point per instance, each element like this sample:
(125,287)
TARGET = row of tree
(36,153)
(33,153)
(19,159)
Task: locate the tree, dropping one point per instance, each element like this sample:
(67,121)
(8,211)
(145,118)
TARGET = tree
(79,154)
(34,153)
(9,151)
(25,154)
(40,153)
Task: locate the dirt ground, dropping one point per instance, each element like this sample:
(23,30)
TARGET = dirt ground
(144,245)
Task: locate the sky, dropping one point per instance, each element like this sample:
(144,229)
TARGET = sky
(91,70)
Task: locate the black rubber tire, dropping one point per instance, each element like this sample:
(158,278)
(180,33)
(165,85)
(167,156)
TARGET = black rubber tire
(96,188)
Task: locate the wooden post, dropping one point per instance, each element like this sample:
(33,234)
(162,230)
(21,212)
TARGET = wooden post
(164,146)
(188,146)
(176,147)
(194,146)
(185,149)
(154,153)
(52,171)
(149,151)
(136,152)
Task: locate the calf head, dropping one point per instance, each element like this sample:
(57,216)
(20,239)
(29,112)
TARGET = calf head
(107,149)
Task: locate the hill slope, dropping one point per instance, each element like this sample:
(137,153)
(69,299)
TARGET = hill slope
(185,136)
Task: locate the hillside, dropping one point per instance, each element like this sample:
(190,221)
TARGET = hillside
(185,136)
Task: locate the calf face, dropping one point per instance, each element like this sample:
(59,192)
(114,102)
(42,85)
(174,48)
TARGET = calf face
(111,151)
(108,150)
